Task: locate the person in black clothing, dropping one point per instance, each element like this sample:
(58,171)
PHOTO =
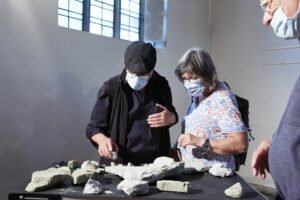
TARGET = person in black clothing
(133,111)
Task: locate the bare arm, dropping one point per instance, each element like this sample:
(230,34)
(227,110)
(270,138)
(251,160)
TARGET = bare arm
(290,7)
(234,143)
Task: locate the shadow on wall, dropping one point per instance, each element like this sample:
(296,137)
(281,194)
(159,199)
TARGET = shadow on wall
(58,134)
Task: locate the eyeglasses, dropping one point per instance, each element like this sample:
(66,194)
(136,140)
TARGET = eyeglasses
(265,5)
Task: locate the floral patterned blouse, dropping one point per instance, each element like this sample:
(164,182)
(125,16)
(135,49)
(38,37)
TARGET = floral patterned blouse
(214,117)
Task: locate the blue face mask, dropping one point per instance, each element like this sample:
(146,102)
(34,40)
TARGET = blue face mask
(286,27)
(136,82)
(194,87)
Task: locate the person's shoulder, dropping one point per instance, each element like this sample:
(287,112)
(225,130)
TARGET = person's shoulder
(111,83)
(223,93)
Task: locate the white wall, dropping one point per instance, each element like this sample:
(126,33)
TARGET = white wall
(49,78)
(242,51)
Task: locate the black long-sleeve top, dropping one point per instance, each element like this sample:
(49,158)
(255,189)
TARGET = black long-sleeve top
(142,143)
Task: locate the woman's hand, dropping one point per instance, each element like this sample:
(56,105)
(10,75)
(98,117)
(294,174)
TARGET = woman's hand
(190,139)
(161,119)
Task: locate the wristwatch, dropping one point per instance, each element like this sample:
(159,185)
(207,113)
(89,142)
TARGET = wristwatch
(205,146)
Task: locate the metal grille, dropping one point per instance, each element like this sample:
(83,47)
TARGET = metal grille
(102,17)
(130,20)
(70,14)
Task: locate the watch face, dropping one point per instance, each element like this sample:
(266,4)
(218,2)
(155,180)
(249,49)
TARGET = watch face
(199,153)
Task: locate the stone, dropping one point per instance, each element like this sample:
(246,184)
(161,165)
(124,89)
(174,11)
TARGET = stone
(235,191)
(173,186)
(148,173)
(163,160)
(88,165)
(134,188)
(72,164)
(219,170)
(92,187)
(114,155)
(81,176)
(42,180)
(191,166)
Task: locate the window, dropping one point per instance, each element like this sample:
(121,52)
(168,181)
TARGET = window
(70,14)
(125,19)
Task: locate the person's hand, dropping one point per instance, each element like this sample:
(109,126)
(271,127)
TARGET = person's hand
(259,161)
(190,139)
(161,119)
(106,146)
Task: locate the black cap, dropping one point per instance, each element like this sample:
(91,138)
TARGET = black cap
(140,57)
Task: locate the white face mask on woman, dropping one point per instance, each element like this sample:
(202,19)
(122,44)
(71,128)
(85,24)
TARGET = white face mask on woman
(286,27)
(136,82)
(194,87)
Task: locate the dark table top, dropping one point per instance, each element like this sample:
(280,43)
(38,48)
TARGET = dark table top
(203,186)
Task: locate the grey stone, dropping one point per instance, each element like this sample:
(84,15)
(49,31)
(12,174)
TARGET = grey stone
(88,165)
(191,166)
(42,180)
(219,170)
(173,186)
(148,173)
(92,187)
(134,188)
(114,155)
(72,164)
(82,176)
(163,160)
(235,191)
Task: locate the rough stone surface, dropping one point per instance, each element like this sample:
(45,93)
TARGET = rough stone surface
(148,173)
(173,186)
(89,165)
(92,187)
(235,191)
(134,188)
(191,166)
(220,170)
(45,179)
(72,164)
(114,155)
(82,176)
(163,161)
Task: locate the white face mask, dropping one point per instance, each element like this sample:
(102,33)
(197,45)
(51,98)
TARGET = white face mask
(286,27)
(136,82)
(194,87)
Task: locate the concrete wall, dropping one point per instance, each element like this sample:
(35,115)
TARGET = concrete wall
(49,78)
(254,62)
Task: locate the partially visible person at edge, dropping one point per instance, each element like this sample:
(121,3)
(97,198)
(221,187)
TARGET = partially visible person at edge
(213,130)
(281,155)
(133,111)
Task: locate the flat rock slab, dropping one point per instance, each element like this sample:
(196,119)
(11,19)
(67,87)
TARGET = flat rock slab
(42,180)
(173,186)
(191,166)
(148,173)
(134,188)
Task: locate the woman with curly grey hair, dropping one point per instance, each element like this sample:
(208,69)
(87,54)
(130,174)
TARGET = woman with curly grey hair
(213,130)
